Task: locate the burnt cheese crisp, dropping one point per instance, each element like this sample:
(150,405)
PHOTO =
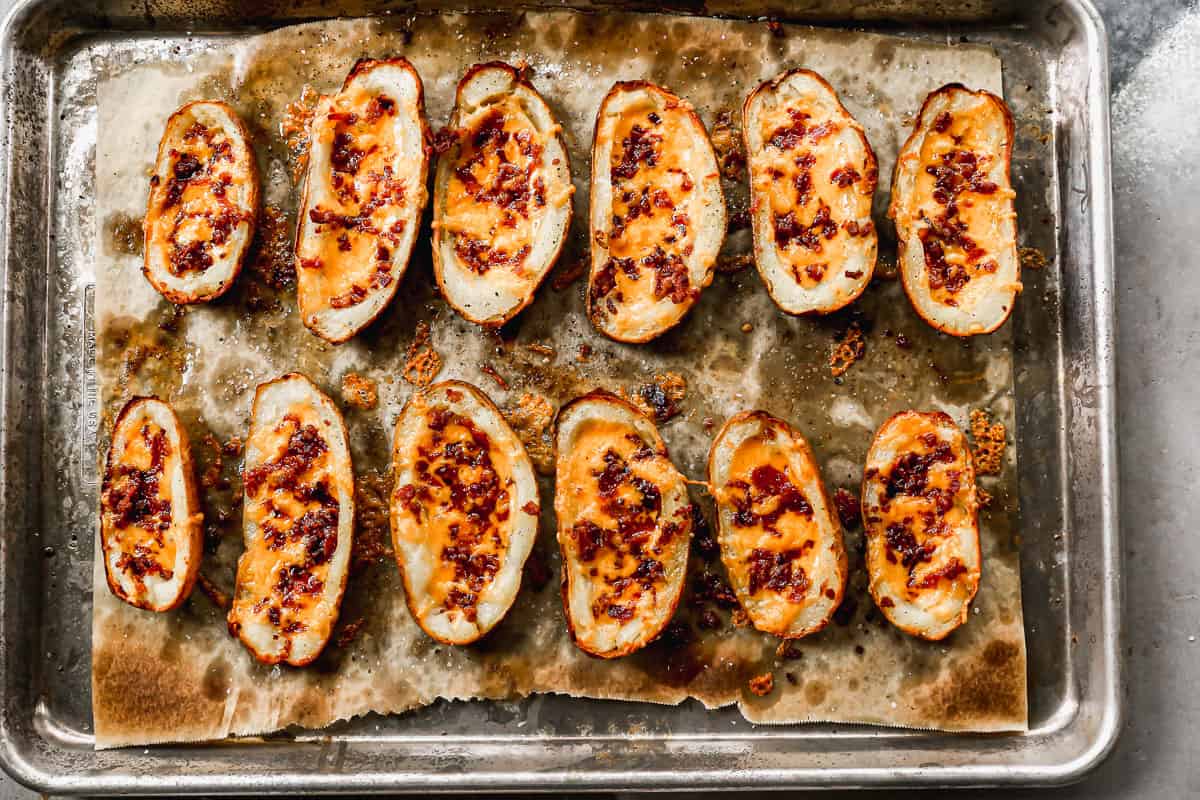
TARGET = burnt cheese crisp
(364,193)
(203,204)
(812,178)
(624,525)
(464,512)
(151,525)
(779,534)
(920,515)
(502,195)
(657,212)
(298,520)
(952,202)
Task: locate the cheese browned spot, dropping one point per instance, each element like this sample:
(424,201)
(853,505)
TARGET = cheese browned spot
(298,517)
(920,515)
(780,539)
(624,526)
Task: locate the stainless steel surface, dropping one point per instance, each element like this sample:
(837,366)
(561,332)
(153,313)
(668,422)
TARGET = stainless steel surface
(1065,438)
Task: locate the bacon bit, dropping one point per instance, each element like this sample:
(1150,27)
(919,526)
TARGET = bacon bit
(776,28)
(530,420)
(729,265)
(490,371)
(985,498)
(211,479)
(762,684)
(444,139)
(990,439)
(848,508)
(565,275)
(349,632)
(847,351)
(233,447)
(421,363)
(294,128)
(542,350)
(585,352)
(531,508)
(788,650)
(886,602)
(661,398)
(727,145)
(213,592)
(359,392)
(372,522)
(1032,258)
(273,261)
(537,571)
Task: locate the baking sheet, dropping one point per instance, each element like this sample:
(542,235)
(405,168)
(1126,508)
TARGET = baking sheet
(181,677)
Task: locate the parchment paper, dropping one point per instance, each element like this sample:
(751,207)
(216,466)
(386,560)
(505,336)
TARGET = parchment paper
(181,677)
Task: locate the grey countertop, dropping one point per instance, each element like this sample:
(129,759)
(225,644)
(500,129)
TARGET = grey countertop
(1155,47)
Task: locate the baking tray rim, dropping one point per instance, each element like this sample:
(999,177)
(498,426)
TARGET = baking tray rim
(1072,768)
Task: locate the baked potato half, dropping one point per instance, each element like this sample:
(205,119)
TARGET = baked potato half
(812,178)
(297,521)
(203,205)
(921,519)
(364,193)
(779,534)
(952,202)
(502,195)
(657,212)
(624,525)
(464,512)
(151,521)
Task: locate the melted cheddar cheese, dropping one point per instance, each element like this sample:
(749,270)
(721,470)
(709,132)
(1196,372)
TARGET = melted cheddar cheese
(193,215)
(459,508)
(655,172)
(816,186)
(357,217)
(776,552)
(495,191)
(137,515)
(960,198)
(619,543)
(292,509)
(915,507)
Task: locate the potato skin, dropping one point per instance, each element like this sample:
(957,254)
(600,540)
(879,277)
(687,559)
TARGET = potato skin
(665,616)
(898,196)
(165,143)
(932,421)
(194,525)
(804,450)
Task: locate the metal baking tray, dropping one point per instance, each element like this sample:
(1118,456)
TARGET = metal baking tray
(1055,62)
